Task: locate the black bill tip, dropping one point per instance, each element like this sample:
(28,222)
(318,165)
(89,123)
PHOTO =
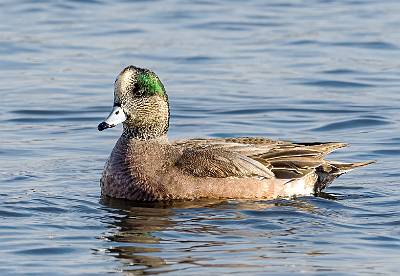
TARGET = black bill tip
(102,126)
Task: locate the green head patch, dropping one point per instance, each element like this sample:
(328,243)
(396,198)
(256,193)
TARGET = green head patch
(149,84)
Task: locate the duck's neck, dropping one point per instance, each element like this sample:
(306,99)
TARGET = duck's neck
(143,134)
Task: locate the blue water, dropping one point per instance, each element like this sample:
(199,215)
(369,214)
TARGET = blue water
(293,70)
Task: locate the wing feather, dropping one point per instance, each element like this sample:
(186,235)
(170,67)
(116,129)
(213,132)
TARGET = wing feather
(254,156)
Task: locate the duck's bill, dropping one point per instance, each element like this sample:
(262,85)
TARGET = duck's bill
(116,117)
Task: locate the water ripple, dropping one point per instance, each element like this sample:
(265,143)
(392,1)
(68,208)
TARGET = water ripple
(45,251)
(369,45)
(337,84)
(350,124)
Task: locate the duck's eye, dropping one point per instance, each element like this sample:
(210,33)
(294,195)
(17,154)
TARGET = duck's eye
(116,113)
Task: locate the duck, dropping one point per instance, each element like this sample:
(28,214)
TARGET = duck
(146,166)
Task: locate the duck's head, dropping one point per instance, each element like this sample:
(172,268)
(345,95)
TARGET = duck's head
(140,103)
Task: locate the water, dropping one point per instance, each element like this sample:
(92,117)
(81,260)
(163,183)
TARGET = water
(295,70)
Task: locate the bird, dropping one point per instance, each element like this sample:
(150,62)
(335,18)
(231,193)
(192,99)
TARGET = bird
(146,166)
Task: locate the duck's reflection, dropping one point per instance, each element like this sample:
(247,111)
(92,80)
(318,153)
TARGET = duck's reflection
(144,233)
(138,225)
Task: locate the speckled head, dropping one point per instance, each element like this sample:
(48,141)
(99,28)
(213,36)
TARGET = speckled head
(140,103)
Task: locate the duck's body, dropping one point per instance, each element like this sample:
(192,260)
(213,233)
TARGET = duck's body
(145,166)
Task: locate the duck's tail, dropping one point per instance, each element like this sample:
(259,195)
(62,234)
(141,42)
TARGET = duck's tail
(346,167)
(328,172)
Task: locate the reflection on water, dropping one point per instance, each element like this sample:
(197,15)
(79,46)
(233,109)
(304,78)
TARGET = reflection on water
(139,226)
(173,235)
(135,231)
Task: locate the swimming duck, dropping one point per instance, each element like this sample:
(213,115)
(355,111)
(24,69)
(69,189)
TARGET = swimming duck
(145,166)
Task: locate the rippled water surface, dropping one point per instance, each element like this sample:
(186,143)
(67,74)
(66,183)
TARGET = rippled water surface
(294,70)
